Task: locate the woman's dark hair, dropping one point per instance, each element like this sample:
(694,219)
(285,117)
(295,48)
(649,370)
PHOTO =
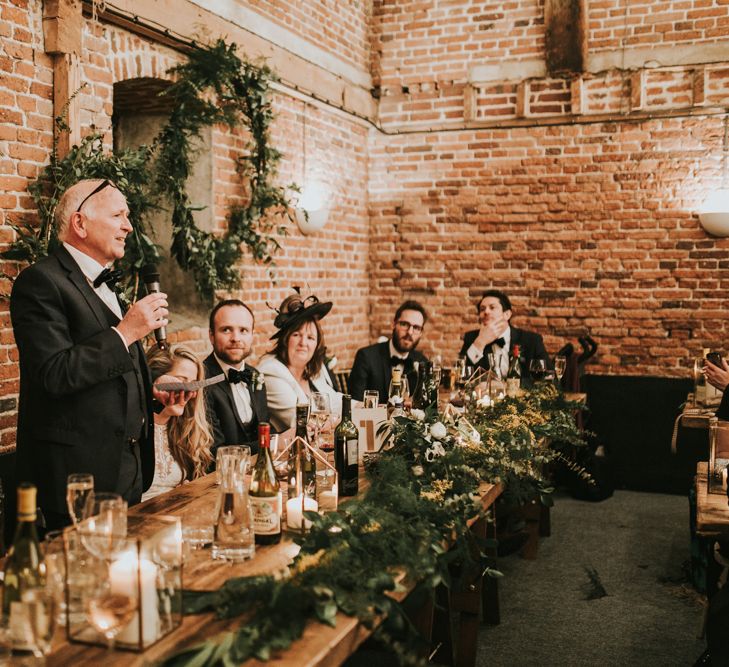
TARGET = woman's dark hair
(314,365)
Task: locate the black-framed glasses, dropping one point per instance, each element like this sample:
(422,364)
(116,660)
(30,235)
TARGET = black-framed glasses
(407,325)
(104,184)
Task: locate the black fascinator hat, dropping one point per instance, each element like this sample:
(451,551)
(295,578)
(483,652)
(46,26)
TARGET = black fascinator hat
(295,310)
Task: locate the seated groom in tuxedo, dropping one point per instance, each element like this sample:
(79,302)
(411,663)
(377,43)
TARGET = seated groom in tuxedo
(239,404)
(498,336)
(372,368)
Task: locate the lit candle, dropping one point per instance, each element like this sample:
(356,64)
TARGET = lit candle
(294,514)
(124,575)
(723,477)
(328,499)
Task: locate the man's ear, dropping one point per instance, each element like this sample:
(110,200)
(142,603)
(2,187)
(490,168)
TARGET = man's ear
(507,315)
(78,223)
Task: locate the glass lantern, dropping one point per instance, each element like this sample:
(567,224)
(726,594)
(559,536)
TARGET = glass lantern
(718,455)
(124,591)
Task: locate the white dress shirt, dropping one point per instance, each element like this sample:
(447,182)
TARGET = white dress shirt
(501,353)
(241,393)
(91,269)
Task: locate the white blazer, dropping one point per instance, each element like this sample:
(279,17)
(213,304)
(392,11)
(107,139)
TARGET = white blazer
(284,392)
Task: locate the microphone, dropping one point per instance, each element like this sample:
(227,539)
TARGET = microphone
(150,276)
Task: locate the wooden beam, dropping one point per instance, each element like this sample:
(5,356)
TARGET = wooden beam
(637,90)
(565,35)
(699,87)
(522,99)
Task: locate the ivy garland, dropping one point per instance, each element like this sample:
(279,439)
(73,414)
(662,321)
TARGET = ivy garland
(214,87)
(421,495)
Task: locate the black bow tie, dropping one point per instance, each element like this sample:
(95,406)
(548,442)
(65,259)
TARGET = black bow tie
(396,361)
(108,276)
(246,375)
(500,342)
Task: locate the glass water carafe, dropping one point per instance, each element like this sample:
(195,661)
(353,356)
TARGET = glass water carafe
(233,537)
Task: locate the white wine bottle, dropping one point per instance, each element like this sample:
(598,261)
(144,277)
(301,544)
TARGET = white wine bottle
(346,450)
(24,567)
(265,492)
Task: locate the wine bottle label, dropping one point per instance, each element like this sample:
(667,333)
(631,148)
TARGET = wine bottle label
(352,452)
(266,514)
(512,386)
(19,627)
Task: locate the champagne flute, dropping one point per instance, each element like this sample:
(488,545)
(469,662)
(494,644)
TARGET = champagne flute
(320,412)
(560,366)
(79,486)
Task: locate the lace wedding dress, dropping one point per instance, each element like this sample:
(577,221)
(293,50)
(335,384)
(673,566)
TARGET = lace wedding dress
(167,472)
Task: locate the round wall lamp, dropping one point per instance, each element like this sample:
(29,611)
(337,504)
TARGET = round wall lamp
(311,222)
(714,215)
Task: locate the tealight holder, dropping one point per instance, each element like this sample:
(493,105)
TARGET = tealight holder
(124,589)
(718,456)
(307,492)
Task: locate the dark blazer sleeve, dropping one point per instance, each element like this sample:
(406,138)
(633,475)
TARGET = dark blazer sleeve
(468,339)
(55,362)
(358,375)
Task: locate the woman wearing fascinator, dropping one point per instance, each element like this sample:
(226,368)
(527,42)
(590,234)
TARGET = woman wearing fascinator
(294,368)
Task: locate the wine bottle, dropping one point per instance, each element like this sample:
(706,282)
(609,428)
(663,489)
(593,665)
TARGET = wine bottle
(395,400)
(265,492)
(421,400)
(346,450)
(513,376)
(24,567)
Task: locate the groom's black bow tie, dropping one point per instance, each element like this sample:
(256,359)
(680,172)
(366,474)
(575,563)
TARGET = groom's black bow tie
(234,376)
(499,341)
(108,276)
(396,361)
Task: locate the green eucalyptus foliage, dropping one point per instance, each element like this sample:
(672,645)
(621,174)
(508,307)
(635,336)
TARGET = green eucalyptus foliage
(413,520)
(215,87)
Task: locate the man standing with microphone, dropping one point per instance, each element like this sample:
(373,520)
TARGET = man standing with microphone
(85,400)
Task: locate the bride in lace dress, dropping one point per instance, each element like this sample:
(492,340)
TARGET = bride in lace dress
(182,437)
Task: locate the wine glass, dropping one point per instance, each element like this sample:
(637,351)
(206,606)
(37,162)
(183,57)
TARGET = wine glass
(538,369)
(40,607)
(103,529)
(560,366)
(107,612)
(320,413)
(371,398)
(79,486)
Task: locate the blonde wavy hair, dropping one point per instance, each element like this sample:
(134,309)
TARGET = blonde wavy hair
(189,434)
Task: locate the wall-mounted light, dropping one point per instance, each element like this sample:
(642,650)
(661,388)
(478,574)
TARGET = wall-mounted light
(312,210)
(714,213)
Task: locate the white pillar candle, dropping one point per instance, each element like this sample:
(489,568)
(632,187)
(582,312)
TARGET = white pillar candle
(294,514)
(124,575)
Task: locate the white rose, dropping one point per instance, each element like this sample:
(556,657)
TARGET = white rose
(418,414)
(438,430)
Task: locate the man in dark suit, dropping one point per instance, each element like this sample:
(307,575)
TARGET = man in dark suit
(85,392)
(498,336)
(238,405)
(372,368)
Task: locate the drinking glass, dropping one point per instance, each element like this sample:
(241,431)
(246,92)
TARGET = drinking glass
(39,606)
(109,613)
(240,455)
(371,398)
(494,360)
(538,369)
(79,486)
(103,529)
(55,559)
(560,365)
(320,414)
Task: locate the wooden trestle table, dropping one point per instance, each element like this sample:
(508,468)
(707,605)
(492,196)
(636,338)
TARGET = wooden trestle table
(320,645)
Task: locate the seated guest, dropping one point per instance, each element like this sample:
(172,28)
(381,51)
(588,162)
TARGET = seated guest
(372,368)
(182,437)
(498,336)
(294,369)
(237,406)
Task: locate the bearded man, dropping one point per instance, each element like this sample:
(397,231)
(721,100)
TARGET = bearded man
(372,368)
(237,406)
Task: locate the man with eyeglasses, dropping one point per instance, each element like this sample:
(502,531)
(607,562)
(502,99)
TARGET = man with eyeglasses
(372,368)
(85,400)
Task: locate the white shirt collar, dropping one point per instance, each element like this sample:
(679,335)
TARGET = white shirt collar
(88,265)
(227,367)
(395,353)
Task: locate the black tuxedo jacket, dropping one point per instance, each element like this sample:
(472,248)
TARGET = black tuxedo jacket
(531,346)
(227,427)
(75,375)
(372,370)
